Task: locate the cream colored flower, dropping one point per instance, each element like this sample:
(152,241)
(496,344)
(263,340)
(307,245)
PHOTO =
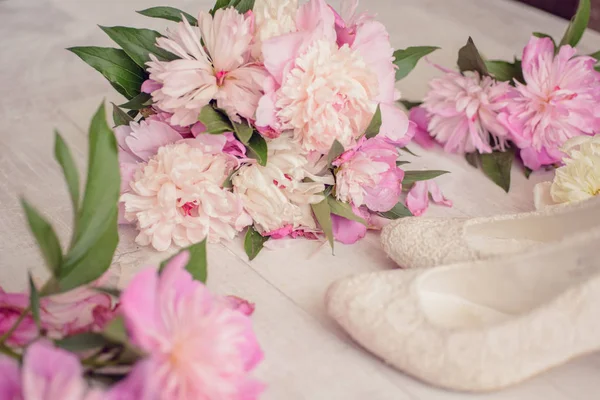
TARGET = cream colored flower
(177,197)
(340,103)
(277,195)
(578,179)
(272,18)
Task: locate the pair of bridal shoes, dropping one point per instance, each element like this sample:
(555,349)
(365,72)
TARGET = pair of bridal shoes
(509,297)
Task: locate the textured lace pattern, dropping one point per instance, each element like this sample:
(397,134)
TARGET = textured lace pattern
(426,242)
(380,311)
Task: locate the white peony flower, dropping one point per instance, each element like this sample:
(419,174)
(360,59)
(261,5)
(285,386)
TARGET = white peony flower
(177,197)
(578,179)
(272,18)
(277,195)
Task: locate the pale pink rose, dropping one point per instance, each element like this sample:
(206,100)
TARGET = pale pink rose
(278,194)
(178,198)
(368,175)
(417,199)
(80,310)
(463,112)
(558,101)
(418,115)
(323,92)
(197,347)
(222,69)
(48,373)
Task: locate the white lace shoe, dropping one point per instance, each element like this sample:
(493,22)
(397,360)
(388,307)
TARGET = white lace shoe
(479,326)
(426,242)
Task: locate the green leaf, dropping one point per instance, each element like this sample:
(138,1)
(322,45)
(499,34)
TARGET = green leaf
(473,159)
(497,166)
(411,177)
(407,59)
(168,13)
(45,236)
(34,303)
(410,104)
(527,171)
(243,131)
(82,342)
(215,121)
(115,331)
(257,149)
(578,24)
(336,150)
(253,242)
(197,264)
(323,214)
(469,59)
(116,66)
(120,117)
(503,70)
(138,43)
(400,163)
(140,101)
(374,125)
(406,149)
(65,159)
(242,6)
(95,235)
(344,210)
(399,211)
(227,184)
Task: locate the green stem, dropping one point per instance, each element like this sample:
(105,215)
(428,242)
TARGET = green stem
(9,352)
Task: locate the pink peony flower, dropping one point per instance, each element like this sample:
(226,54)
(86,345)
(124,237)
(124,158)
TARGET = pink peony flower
(322,91)
(198,348)
(463,112)
(417,200)
(48,373)
(368,175)
(559,101)
(80,310)
(222,69)
(177,197)
(418,115)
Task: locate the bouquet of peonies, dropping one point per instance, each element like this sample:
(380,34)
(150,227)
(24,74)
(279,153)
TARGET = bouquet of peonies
(265,115)
(494,111)
(164,337)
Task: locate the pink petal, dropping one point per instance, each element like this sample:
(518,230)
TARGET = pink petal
(127,173)
(317,17)
(395,125)
(10,379)
(145,141)
(150,86)
(239,304)
(138,305)
(280,52)
(417,199)
(387,192)
(50,373)
(348,231)
(418,115)
(134,386)
(436,194)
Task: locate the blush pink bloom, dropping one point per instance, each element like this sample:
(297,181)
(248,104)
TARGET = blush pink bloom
(418,115)
(463,112)
(215,64)
(80,310)
(558,101)
(177,197)
(322,91)
(417,199)
(197,346)
(48,373)
(368,175)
